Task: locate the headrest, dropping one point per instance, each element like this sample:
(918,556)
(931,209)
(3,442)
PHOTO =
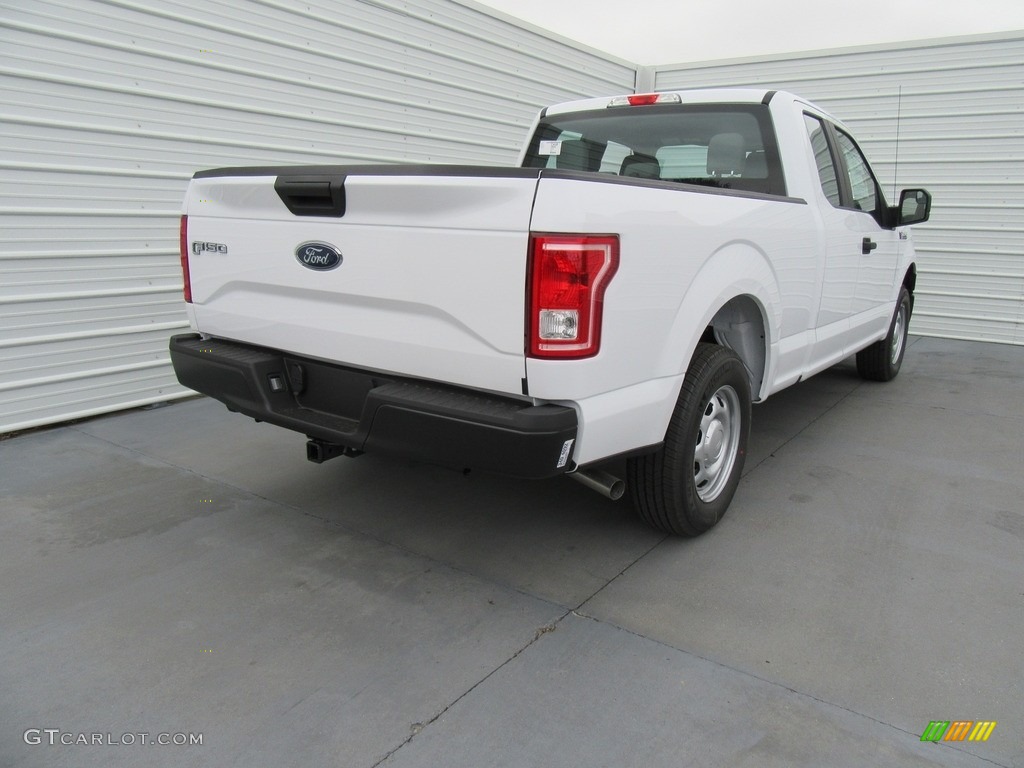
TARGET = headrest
(641,167)
(726,154)
(579,155)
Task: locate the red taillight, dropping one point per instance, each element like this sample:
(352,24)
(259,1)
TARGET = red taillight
(183,250)
(568,278)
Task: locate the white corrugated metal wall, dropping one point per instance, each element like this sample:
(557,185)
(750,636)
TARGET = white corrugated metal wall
(961,135)
(108,106)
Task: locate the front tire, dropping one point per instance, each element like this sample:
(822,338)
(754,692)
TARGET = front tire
(883,359)
(686,486)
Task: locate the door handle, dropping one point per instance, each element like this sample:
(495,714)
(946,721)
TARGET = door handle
(867,245)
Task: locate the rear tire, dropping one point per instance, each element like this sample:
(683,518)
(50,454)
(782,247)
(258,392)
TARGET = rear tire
(686,486)
(883,359)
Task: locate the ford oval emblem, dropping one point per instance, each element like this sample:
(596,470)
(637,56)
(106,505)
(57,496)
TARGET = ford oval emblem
(318,256)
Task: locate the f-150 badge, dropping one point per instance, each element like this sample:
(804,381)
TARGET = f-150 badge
(198,247)
(318,256)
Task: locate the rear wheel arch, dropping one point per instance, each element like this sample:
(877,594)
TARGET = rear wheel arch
(733,301)
(740,325)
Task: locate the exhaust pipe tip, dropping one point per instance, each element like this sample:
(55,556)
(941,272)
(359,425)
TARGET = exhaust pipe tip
(605,483)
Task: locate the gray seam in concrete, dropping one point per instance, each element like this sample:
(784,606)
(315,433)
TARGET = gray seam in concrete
(773,683)
(618,575)
(816,419)
(577,611)
(811,423)
(418,728)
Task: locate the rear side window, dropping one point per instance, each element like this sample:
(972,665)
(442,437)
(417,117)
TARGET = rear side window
(718,145)
(823,159)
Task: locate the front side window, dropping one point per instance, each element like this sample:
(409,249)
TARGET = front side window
(844,173)
(863,187)
(719,145)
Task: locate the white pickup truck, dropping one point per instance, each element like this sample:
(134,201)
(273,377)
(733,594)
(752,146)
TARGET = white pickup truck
(654,264)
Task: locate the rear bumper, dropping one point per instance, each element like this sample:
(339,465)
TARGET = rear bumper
(362,411)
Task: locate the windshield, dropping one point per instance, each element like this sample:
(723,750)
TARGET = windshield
(725,146)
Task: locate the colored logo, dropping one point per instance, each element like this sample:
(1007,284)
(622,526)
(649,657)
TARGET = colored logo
(319,256)
(958,730)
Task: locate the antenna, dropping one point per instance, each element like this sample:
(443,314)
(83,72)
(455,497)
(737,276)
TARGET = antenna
(896,162)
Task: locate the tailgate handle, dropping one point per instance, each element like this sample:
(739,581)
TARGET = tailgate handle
(312,195)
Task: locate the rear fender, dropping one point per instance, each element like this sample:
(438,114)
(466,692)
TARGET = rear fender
(731,294)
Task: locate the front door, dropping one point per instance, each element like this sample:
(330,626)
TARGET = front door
(861,255)
(877,246)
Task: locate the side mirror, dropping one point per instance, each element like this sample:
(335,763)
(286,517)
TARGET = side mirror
(915,207)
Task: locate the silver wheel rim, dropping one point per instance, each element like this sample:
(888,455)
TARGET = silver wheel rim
(899,332)
(718,441)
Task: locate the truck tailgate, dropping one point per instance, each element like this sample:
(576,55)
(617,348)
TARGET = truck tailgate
(431,278)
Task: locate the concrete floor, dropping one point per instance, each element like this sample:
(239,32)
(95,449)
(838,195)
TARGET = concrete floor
(185,570)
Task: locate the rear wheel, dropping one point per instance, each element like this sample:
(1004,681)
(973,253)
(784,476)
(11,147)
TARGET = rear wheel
(883,359)
(686,486)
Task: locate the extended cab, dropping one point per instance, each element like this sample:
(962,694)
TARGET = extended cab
(654,264)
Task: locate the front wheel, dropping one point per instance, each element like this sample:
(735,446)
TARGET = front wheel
(686,486)
(883,359)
